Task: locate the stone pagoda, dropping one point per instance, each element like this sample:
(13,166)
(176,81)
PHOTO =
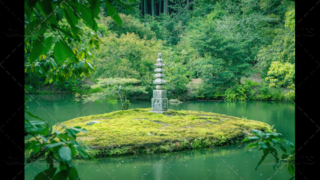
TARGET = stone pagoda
(159,102)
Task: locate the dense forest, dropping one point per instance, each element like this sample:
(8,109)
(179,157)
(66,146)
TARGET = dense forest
(213,49)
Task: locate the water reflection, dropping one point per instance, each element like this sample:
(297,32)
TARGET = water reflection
(218,163)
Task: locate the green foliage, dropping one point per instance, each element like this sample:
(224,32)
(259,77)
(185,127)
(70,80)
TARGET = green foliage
(282,48)
(281,74)
(290,19)
(127,56)
(67,85)
(269,142)
(55,49)
(110,87)
(217,41)
(236,93)
(130,25)
(177,80)
(126,105)
(53,145)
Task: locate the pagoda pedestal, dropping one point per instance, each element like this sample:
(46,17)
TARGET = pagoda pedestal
(159,102)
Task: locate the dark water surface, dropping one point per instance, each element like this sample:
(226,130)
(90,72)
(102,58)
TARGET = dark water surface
(232,162)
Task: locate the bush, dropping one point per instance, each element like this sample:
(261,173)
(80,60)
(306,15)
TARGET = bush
(126,105)
(68,85)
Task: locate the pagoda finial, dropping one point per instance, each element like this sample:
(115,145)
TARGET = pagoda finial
(159,55)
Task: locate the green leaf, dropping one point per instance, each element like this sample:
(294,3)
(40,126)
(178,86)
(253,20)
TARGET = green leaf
(35,156)
(90,65)
(55,144)
(31,27)
(46,174)
(283,149)
(263,145)
(291,169)
(87,147)
(274,134)
(64,31)
(265,153)
(112,12)
(87,17)
(61,175)
(275,141)
(78,129)
(75,5)
(71,133)
(95,8)
(29,145)
(81,63)
(27,10)
(34,116)
(252,145)
(290,144)
(31,3)
(63,52)
(43,138)
(36,149)
(251,138)
(36,49)
(258,132)
(65,153)
(46,7)
(285,156)
(64,126)
(76,31)
(73,174)
(81,151)
(73,151)
(47,45)
(70,16)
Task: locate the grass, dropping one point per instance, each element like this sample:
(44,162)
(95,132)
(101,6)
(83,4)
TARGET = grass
(140,131)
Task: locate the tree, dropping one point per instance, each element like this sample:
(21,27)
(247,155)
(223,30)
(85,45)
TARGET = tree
(177,80)
(53,44)
(55,50)
(282,75)
(282,47)
(116,86)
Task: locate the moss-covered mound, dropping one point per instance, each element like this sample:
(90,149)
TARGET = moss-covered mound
(138,130)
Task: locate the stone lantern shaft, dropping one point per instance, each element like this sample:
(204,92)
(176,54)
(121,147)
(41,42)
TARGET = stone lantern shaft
(159,102)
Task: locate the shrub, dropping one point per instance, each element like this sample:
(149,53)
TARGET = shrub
(126,105)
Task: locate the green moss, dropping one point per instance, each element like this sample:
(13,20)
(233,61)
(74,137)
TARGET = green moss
(140,131)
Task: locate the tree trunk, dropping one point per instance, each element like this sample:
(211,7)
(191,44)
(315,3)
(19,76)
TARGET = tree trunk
(152,7)
(159,7)
(145,8)
(165,7)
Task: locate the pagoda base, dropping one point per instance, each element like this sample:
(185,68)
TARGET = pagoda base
(160,112)
(159,102)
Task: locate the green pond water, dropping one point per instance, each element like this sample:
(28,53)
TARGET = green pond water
(229,162)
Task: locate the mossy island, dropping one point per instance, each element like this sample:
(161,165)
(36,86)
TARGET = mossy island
(138,131)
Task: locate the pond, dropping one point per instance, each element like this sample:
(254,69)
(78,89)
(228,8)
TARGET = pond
(229,162)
